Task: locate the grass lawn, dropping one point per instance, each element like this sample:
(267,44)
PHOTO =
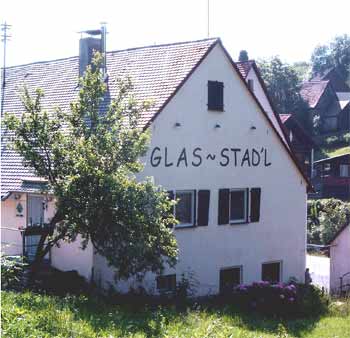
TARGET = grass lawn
(28,315)
(339,151)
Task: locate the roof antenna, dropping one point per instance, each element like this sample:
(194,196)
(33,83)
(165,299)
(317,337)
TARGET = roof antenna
(208,17)
(4,38)
(103,45)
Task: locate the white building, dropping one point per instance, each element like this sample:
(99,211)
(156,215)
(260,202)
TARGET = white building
(340,261)
(242,207)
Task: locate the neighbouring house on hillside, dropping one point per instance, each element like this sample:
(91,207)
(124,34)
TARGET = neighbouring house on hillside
(332,177)
(290,130)
(301,143)
(340,262)
(213,145)
(328,98)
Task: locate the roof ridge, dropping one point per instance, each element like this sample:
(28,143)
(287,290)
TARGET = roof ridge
(214,39)
(41,62)
(165,44)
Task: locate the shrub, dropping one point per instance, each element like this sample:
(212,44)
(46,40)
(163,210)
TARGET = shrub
(333,140)
(311,301)
(12,268)
(280,299)
(325,218)
(346,138)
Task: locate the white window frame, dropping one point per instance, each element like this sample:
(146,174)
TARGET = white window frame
(245,219)
(344,168)
(184,225)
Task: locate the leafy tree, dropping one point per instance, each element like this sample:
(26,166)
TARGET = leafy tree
(335,54)
(303,70)
(243,56)
(90,160)
(283,86)
(325,218)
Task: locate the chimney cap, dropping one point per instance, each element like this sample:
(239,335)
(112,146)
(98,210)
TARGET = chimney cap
(92,32)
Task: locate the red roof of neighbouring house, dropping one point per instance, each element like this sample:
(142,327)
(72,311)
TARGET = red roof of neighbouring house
(285,117)
(244,67)
(312,91)
(289,121)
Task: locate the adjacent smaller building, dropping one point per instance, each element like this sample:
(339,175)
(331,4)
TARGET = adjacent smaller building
(340,261)
(332,177)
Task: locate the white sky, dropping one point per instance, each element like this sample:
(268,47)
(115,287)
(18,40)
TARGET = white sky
(47,29)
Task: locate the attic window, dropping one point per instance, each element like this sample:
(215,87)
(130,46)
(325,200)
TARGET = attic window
(215,95)
(251,84)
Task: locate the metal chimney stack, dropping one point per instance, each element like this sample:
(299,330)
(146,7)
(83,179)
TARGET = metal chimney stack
(89,44)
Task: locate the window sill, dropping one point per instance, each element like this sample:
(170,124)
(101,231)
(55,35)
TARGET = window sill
(238,223)
(216,109)
(190,226)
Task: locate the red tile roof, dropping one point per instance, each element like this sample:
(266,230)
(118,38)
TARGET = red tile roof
(244,67)
(156,73)
(285,117)
(312,91)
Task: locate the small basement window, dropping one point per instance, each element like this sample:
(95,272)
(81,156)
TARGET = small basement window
(271,272)
(229,278)
(184,209)
(238,205)
(344,170)
(215,95)
(166,283)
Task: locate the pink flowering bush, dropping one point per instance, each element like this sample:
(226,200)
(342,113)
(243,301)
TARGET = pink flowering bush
(279,298)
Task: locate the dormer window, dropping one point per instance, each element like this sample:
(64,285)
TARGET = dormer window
(215,95)
(251,84)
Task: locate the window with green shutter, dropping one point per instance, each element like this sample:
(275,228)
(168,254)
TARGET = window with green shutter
(215,95)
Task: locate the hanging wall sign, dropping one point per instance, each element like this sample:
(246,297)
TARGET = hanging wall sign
(196,157)
(19,209)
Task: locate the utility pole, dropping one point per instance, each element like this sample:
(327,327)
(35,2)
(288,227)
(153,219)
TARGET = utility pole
(4,38)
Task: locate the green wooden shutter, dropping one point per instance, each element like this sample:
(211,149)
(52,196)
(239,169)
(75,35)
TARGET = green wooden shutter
(255,196)
(194,207)
(203,207)
(215,95)
(224,206)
